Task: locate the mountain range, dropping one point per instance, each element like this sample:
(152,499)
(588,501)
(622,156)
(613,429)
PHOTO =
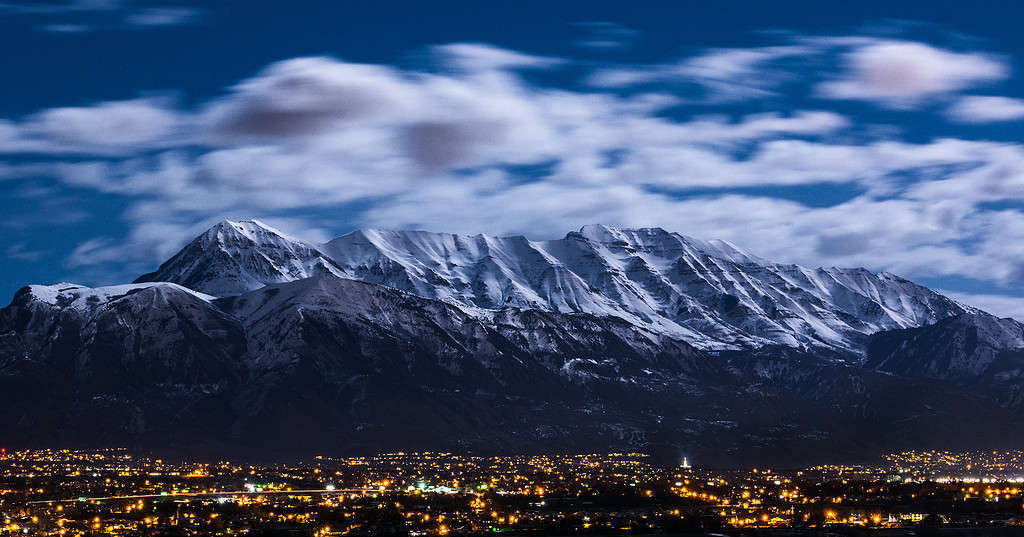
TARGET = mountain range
(251,341)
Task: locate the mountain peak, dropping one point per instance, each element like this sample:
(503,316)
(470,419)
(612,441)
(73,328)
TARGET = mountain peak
(234,257)
(606,233)
(656,237)
(248,228)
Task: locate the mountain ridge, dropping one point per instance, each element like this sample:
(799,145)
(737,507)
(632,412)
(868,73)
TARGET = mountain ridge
(357,367)
(712,294)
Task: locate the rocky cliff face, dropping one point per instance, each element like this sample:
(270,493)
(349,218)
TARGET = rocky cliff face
(108,364)
(972,350)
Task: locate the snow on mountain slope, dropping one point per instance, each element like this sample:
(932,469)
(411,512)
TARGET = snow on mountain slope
(281,318)
(234,257)
(152,331)
(711,294)
(88,299)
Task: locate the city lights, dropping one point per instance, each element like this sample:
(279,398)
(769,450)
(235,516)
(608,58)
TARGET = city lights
(112,492)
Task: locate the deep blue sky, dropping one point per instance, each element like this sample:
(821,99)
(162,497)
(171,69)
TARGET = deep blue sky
(803,131)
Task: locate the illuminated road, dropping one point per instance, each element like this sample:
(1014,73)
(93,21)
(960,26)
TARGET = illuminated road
(220,493)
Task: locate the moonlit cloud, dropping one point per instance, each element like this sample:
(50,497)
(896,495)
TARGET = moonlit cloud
(305,96)
(986,109)
(21,251)
(66,28)
(104,14)
(50,7)
(484,57)
(94,251)
(891,73)
(161,16)
(901,74)
(723,74)
(114,127)
(479,146)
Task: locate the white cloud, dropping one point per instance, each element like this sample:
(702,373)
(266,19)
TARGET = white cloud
(999,175)
(114,127)
(484,57)
(96,251)
(118,123)
(724,74)
(892,73)
(461,119)
(986,109)
(161,16)
(901,74)
(307,95)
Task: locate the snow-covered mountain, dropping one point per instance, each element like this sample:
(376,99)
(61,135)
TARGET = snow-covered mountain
(118,360)
(351,367)
(234,257)
(711,294)
(606,339)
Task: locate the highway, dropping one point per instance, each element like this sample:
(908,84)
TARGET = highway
(220,493)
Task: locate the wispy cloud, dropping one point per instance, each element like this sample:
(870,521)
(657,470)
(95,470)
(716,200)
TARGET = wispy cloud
(986,109)
(114,127)
(723,74)
(82,16)
(66,28)
(483,57)
(605,35)
(21,251)
(161,16)
(889,72)
(56,8)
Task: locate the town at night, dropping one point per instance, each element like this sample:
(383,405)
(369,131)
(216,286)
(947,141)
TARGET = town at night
(114,492)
